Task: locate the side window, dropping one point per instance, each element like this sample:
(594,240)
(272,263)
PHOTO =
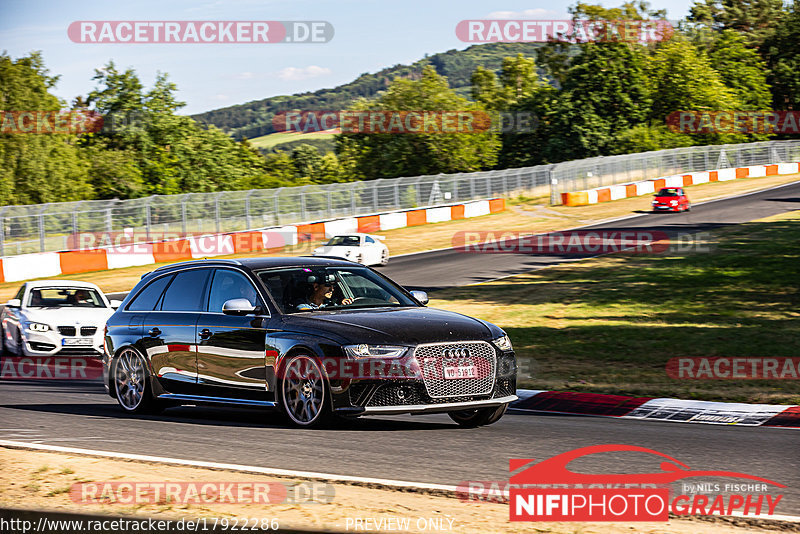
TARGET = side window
(147,299)
(228,285)
(186,291)
(369,239)
(20,293)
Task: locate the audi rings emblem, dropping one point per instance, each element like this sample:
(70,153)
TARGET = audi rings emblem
(455,353)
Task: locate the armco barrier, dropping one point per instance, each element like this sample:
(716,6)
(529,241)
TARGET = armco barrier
(645,187)
(29,266)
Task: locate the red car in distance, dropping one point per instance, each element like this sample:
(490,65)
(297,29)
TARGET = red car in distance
(671,199)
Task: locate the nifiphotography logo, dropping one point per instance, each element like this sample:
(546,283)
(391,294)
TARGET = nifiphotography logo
(549,491)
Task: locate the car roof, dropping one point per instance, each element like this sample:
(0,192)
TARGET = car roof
(260,263)
(61,283)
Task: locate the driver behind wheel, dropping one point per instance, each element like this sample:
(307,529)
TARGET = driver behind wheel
(318,293)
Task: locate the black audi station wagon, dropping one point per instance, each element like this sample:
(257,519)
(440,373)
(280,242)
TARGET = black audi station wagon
(313,337)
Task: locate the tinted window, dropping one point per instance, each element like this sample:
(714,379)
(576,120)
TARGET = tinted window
(368,239)
(352,287)
(53,297)
(228,285)
(148,298)
(186,291)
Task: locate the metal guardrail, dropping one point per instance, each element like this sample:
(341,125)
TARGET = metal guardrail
(49,227)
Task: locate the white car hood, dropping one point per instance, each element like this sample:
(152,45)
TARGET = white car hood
(68,316)
(340,251)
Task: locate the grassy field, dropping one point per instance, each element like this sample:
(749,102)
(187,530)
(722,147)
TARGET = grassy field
(609,325)
(523,215)
(269,141)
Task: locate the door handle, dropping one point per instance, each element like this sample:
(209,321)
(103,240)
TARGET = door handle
(205,333)
(154,332)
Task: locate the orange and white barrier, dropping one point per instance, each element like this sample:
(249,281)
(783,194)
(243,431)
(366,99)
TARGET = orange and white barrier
(645,187)
(30,266)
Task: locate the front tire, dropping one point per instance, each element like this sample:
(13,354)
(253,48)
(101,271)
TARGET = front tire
(303,392)
(132,384)
(478,416)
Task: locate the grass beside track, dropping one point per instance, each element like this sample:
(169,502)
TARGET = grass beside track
(609,325)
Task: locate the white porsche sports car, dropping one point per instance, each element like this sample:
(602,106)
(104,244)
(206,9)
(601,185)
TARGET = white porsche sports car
(365,249)
(56,317)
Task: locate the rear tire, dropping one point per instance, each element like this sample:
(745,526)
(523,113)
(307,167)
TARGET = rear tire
(132,384)
(478,416)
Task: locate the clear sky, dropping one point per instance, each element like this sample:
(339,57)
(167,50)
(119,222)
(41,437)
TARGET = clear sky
(369,35)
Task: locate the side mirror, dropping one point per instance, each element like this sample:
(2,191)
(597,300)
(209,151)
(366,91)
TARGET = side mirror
(115,304)
(14,303)
(421,296)
(238,307)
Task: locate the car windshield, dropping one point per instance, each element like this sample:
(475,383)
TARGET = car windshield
(668,192)
(54,297)
(303,289)
(343,241)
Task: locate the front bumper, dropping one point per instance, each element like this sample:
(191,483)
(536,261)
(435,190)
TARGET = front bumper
(50,344)
(427,408)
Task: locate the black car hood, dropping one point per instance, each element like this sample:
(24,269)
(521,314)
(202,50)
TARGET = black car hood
(401,326)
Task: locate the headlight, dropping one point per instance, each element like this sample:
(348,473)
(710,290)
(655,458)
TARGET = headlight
(374,351)
(37,327)
(502,343)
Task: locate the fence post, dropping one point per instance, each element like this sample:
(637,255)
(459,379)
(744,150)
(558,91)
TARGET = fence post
(216,212)
(148,216)
(184,222)
(375,194)
(303,203)
(247,210)
(3,231)
(397,195)
(551,174)
(41,227)
(352,201)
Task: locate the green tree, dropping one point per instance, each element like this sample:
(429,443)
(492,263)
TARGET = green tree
(741,69)
(782,51)
(408,154)
(604,93)
(755,20)
(37,167)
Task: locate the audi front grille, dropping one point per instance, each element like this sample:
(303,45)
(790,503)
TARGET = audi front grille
(437,360)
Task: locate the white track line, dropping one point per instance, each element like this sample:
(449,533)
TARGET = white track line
(347,479)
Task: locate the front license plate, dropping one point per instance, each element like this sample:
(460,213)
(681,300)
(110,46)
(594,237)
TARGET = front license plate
(80,341)
(461,371)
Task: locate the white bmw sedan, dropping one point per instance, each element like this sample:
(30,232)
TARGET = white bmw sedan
(365,249)
(56,317)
